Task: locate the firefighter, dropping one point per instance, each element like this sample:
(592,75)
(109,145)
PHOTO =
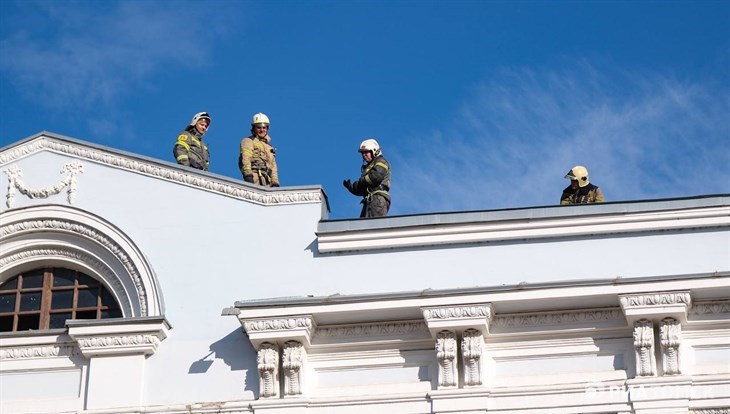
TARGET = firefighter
(257,161)
(374,183)
(580,190)
(190,150)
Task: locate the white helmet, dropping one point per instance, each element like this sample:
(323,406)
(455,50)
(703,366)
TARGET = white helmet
(580,174)
(370,145)
(260,118)
(197,117)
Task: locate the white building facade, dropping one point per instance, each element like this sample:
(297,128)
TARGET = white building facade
(134,285)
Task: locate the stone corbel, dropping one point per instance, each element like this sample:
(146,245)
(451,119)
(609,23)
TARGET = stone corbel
(105,337)
(656,306)
(670,332)
(281,344)
(458,318)
(644,348)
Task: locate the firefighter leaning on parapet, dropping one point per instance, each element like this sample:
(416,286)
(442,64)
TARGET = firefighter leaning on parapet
(374,183)
(189,149)
(580,190)
(257,161)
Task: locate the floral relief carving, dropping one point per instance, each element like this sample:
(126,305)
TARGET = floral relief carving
(277,324)
(472,346)
(292,362)
(723,410)
(669,337)
(473,311)
(15,182)
(656,299)
(644,348)
(29,352)
(556,318)
(166,173)
(114,341)
(710,308)
(83,230)
(446,355)
(373,329)
(267,360)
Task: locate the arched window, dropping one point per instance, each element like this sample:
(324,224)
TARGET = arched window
(46,298)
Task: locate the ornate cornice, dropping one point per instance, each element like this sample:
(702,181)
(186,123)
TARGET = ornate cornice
(35,352)
(655,299)
(102,338)
(87,259)
(724,410)
(278,324)
(116,341)
(372,329)
(457,312)
(165,173)
(556,318)
(83,230)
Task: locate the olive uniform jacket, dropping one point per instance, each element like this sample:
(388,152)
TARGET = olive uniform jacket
(190,150)
(258,160)
(587,194)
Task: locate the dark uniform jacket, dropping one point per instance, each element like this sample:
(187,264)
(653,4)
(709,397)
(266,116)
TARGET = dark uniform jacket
(374,187)
(190,150)
(587,194)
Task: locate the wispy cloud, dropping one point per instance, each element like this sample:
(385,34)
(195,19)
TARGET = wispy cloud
(641,135)
(75,55)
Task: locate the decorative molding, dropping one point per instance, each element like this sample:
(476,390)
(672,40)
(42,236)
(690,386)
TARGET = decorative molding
(94,263)
(446,355)
(457,312)
(723,410)
(472,347)
(644,348)
(556,318)
(267,359)
(56,224)
(655,299)
(41,351)
(372,329)
(148,168)
(670,332)
(106,338)
(95,343)
(15,181)
(710,307)
(278,324)
(292,362)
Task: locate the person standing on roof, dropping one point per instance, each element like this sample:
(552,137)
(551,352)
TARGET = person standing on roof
(257,161)
(374,183)
(580,190)
(189,149)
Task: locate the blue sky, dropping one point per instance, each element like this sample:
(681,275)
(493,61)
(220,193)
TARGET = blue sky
(477,104)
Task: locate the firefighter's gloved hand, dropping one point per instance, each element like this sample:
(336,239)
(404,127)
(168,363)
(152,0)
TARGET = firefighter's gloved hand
(347,184)
(248,178)
(275,184)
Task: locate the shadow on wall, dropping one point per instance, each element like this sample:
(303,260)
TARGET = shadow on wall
(236,351)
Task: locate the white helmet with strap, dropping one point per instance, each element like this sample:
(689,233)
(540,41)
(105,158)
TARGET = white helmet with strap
(578,173)
(260,118)
(197,117)
(370,145)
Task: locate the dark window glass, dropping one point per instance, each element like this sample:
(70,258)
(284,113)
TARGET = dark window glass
(58,320)
(6,323)
(116,313)
(87,280)
(86,315)
(10,284)
(87,298)
(33,279)
(28,322)
(7,302)
(62,299)
(63,277)
(30,301)
(107,299)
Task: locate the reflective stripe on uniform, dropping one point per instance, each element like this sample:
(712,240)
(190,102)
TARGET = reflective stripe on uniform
(182,157)
(183,144)
(382,165)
